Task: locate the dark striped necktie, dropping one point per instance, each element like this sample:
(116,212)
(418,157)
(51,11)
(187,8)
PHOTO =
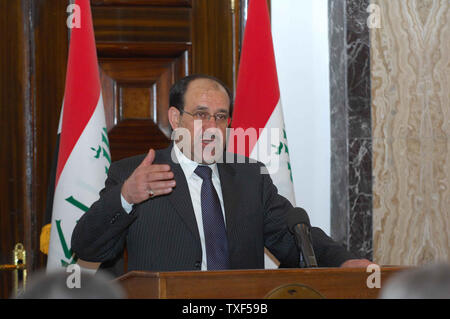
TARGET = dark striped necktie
(213,223)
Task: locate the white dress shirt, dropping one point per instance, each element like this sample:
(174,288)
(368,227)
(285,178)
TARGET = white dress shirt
(195,185)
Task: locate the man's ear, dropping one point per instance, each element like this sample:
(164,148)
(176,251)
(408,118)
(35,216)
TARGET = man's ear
(174,117)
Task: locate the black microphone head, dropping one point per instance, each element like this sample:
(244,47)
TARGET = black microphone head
(295,216)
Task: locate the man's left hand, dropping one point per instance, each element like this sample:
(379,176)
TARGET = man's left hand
(356,263)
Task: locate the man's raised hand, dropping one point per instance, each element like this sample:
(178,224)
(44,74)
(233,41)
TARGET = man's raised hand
(148,180)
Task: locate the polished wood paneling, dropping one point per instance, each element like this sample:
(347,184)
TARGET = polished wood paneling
(31,91)
(14,87)
(128,23)
(212,39)
(164,3)
(136,101)
(136,79)
(49,72)
(143,50)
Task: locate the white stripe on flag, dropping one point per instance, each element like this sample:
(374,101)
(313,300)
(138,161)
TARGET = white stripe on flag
(272,150)
(277,159)
(81,179)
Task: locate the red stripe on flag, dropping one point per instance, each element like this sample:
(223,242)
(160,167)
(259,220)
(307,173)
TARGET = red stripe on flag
(257,92)
(82,89)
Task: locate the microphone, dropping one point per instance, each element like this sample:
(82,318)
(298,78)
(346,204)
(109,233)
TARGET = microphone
(298,223)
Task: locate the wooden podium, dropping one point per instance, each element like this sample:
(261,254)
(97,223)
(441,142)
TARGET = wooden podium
(253,284)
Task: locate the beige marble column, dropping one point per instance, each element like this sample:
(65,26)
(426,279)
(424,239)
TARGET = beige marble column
(410,73)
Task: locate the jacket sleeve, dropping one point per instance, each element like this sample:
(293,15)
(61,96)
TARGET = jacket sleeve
(101,232)
(277,237)
(328,252)
(281,242)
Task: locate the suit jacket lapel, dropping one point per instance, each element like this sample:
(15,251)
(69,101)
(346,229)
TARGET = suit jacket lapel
(182,202)
(180,196)
(230,201)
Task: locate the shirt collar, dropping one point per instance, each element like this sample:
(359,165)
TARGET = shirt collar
(188,166)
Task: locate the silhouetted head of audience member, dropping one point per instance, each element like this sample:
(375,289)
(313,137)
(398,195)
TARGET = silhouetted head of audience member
(66,285)
(426,282)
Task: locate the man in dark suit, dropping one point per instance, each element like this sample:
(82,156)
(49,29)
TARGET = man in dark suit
(184,208)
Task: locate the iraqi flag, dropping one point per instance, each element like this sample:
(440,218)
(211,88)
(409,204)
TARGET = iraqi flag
(257,111)
(83,155)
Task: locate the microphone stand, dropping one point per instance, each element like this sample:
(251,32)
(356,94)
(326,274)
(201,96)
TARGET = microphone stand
(303,239)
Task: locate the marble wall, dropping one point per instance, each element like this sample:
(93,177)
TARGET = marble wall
(410,75)
(351,138)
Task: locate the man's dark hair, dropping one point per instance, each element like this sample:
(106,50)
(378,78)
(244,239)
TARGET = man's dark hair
(178,90)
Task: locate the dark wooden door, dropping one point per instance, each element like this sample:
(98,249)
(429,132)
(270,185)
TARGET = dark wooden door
(143,48)
(33,57)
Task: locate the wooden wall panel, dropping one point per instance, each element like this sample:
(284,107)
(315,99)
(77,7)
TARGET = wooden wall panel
(48,80)
(136,102)
(212,39)
(14,87)
(164,3)
(130,23)
(31,92)
(136,79)
(143,48)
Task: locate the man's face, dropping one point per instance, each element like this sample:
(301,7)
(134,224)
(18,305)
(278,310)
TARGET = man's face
(203,97)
